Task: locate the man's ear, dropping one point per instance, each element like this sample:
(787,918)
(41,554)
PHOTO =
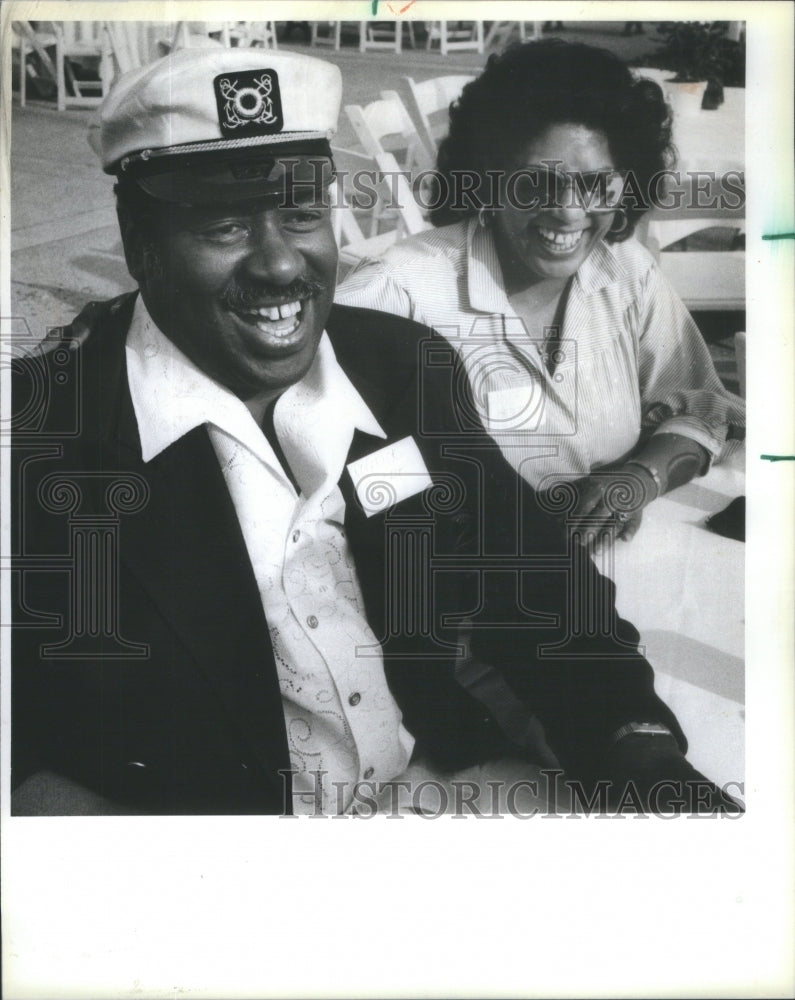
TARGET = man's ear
(133,240)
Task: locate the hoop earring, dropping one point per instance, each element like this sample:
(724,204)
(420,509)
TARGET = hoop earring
(483,217)
(622,215)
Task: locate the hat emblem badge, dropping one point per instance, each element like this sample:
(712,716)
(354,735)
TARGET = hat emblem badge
(248,104)
(248,101)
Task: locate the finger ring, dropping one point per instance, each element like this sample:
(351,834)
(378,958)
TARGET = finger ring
(622,516)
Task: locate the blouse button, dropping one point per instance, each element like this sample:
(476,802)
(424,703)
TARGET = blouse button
(296,535)
(312,621)
(369,772)
(354,699)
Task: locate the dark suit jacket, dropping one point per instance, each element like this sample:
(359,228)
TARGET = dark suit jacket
(142,665)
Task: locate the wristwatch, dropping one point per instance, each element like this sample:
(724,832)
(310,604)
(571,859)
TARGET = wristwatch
(650,470)
(646,728)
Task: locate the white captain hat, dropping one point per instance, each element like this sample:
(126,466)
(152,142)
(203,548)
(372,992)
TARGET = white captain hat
(217,124)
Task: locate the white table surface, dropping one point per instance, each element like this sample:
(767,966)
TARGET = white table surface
(706,280)
(683,587)
(713,140)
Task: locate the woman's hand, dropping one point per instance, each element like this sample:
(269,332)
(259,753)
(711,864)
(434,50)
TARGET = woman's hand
(610,501)
(610,505)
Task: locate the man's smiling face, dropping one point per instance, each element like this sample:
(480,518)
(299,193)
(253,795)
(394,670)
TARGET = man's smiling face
(243,289)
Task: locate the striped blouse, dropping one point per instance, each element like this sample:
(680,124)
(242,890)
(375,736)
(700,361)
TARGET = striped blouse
(629,361)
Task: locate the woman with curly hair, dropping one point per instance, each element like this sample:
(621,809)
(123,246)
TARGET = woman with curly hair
(583,362)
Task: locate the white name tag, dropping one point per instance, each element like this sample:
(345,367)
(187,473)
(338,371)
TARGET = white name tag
(389,475)
(518,409)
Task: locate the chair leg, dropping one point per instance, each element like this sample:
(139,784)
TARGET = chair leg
(60,78)
(23,74)
(69,78)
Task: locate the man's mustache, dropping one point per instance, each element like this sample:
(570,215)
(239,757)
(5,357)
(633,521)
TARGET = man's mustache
(241,298)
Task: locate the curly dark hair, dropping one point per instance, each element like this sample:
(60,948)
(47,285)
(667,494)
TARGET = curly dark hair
(532,86)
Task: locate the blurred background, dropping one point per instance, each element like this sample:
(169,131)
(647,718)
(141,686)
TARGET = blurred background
(399,78)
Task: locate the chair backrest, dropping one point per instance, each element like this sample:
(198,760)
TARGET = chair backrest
(411,219)
(429,98)
(343,222)
(82,32)
(198,34)
(418,156)
(331,36)
(352,243)
(438,93)
(382,119)
(704,279)
(128,45)
(253,34)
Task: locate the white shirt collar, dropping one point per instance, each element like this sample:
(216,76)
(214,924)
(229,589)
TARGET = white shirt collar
(171,395)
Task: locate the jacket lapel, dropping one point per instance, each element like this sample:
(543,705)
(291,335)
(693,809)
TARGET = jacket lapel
(187,552)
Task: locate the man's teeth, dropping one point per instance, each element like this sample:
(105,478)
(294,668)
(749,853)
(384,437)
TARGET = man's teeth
(279,312)
(280,320)
(561,240)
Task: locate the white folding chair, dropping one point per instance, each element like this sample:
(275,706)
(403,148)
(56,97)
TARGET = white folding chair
(197,35)
(252,34)
(38,41)
(501,32)
(129,45)
(384,126)
(455,36)
(410,218)
(418,156)
(83,69)
(352,243)
(333,38)
(433,98)
(704,279)
(384,35)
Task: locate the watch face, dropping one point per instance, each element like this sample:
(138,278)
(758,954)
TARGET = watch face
(642,729)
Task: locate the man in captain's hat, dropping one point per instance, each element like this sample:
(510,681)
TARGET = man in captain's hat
(252,526)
